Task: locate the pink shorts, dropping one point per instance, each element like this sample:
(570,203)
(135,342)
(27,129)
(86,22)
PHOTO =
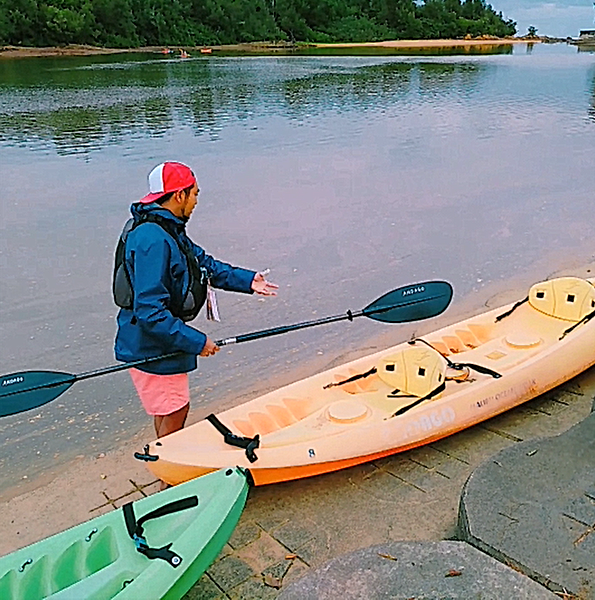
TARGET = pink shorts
(161,394)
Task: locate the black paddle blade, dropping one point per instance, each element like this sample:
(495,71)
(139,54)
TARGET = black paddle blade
(23,391)
(411,303)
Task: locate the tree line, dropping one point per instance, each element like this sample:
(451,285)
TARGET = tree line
(136,23)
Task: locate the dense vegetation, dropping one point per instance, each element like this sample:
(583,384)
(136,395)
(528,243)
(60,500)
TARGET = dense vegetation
(133,23)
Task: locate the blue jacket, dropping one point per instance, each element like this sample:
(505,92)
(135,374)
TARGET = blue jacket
(158,272)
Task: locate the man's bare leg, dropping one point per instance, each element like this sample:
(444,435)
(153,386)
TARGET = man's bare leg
(166,424)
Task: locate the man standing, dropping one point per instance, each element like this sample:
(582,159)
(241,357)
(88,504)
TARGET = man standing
(160,285)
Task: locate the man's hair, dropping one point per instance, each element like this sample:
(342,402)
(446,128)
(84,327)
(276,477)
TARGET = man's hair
(161,201)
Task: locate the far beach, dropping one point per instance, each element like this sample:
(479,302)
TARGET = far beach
(261,47)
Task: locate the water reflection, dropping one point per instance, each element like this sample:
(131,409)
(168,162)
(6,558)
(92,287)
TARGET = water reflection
(87,108)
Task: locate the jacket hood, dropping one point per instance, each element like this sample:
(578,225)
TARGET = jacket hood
(137,210)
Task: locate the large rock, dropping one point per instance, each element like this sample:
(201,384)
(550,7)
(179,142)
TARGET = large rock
(405,570)
(532,506)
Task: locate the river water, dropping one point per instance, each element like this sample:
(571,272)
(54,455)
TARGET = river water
(347,176)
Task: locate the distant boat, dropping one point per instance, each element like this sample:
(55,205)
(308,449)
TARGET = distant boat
(206,50)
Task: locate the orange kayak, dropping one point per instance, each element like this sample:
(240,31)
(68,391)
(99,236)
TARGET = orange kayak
(405,396)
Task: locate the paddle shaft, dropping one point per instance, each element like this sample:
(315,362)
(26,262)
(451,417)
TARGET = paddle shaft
(246,337)
(406,304)
(263,333)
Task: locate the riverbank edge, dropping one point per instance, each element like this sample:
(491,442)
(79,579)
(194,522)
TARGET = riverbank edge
(257,47)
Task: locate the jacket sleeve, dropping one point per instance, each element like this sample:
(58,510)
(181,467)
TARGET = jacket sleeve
(150,259)
(223,275)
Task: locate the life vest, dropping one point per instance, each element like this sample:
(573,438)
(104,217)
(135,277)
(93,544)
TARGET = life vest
(196,294)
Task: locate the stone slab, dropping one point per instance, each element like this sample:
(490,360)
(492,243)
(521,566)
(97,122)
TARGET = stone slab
(531,507)
(405,570)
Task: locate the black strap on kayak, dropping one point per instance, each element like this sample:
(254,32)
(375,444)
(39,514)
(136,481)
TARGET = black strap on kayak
(397,394)
(460,366)
(136,530)
(146,455)
(250,444)
(353,378)
(584,320)
(429,396)
(509,312)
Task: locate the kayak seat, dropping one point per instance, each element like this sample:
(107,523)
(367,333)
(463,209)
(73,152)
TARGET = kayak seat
(414,370)
(566,298)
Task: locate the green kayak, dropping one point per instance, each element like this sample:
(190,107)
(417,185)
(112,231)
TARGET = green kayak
(157,547)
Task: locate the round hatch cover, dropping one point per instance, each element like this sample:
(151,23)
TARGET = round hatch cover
(347,411)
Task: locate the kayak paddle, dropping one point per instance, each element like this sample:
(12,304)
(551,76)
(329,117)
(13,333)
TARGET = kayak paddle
(26,390)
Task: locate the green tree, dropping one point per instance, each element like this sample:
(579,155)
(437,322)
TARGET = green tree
(121,23)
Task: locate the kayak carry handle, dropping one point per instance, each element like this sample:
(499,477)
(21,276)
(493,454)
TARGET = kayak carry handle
(147,457)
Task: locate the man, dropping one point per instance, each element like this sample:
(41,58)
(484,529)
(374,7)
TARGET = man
(165,273)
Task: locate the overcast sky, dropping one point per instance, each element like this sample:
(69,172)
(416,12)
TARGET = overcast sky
(558,18)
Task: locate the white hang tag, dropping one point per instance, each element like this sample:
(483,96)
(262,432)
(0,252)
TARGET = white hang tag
(212,308)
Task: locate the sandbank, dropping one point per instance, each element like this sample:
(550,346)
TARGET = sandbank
(257,47)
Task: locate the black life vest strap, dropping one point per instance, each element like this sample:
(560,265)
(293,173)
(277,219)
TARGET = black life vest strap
(350,379)
(135,528)
(196,295)
(509,312)
(429,396)
(460,366)
(198,277)
(250,444)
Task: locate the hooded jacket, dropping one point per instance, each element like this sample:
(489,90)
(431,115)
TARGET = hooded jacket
(159,276)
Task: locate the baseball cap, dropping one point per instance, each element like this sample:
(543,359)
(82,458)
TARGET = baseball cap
(168,177)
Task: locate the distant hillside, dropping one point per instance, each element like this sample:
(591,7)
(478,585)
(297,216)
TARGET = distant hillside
(134,23)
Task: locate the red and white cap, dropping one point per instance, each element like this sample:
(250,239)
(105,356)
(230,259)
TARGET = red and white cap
(168,177)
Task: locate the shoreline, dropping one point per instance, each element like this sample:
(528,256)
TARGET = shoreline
(252,47)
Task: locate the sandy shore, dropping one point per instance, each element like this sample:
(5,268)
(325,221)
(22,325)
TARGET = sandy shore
(264,47)
(430,43)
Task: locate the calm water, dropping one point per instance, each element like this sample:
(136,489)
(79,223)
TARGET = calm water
(347,176)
